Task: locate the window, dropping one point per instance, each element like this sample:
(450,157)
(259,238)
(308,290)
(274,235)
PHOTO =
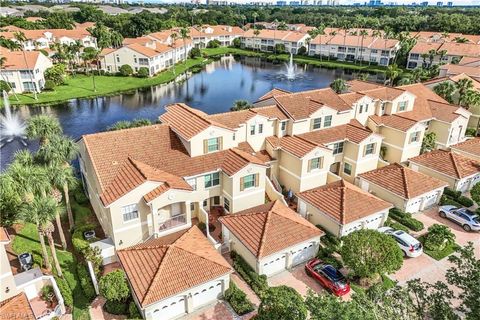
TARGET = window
(233,137)
(414,56)
(260,128)
(361,109)
(135,59)
(212,145)
(212,179)
(247,182)
(118,58)
(226,204)
(130,212)
(384,105)
(338,148)
(415,137)
(402,106)
(370,149)
(252,129)
(347,168)
(315,163)
(192,183)
(192,207)
(284,125)
(327,122)
(317,123)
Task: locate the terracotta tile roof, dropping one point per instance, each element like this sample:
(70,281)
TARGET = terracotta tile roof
(148,52)
(233,119)
(262,155)
(15,60)
(140,40)
(393,121)
(423,47)
(354,41)
(218,30)
(469,61)
(157,270)
(453,69)
(402,181)
(359,85)
(188,122)
(285,35)
(471,146)
(461,49)
(381,44)
(16,307)
(383,93)
(343,201)
(295,145)
(352,131)
(270,228)
(272,112)
(449,163)
(273,92)
(157,147)
(4,236)
(351,97)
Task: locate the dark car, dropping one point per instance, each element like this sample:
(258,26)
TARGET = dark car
(329,277)
(26,261)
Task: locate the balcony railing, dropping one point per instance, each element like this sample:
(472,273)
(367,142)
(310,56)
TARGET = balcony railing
(173,222)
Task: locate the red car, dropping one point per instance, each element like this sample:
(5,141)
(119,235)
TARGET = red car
(329,277)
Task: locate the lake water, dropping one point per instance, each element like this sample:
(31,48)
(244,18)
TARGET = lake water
(213,90)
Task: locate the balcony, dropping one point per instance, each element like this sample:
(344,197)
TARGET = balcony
(173,222)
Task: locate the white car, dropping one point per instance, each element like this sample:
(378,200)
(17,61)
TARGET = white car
(410,246)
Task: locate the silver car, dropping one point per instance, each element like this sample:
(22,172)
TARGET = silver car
(464,217)
(410,246)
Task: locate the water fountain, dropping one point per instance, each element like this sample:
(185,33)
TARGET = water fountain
(291,69)
(11,126)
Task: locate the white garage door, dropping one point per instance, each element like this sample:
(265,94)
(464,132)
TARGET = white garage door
(463,185)
(275,265)
(430,200)
(172,308)
(414,205)
(207,294)
(304,253)
(476,180)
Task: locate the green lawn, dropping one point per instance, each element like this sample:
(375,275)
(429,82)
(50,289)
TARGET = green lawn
(27,241)
(439,254)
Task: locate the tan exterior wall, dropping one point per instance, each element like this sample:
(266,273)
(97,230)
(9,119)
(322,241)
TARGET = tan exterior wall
(196,142)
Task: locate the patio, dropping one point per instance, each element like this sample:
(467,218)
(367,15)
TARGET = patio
(42,308)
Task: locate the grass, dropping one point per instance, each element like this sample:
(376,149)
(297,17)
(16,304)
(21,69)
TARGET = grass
(27,241)
(81,86)
(439,254)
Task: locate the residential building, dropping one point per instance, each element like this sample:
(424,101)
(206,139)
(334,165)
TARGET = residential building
(425,54)
(460,172)
(406,189)
(267,40)
(270,237)
(24,71)
(20,295)
(341,208)
(202,35)
(176,275)
(467,65)
(350,47)
(469,148)
(441,37)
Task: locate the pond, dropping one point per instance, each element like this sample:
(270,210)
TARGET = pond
(213,90)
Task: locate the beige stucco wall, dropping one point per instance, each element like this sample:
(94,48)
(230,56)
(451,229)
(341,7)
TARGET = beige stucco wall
(196,142)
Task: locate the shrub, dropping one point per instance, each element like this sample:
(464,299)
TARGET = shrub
(406,219)
(395,225)
(113,286)
(447,201)
(467,202)
(115,307)
(475,193)
(326,255)
(4,86)
(213,44)
(133,311)
(238,300)
(126,70)
(237,43)
(47,293)
(80,196)
(56,73)
(452,193)
(143,72)
(471,132)
(257,282)
(49,85)
(86,281)
(438,237)
(195,53)
(79,243)
(282,302)
(457,197)
(65,290)
(280,48)
(302,50)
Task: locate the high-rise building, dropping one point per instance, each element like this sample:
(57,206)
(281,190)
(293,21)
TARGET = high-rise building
(439,4)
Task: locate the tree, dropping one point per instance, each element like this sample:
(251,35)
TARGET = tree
(10,200)
(4,87)
(428,142)
(43,127)
(370,253)
(445,90)
(363,34)
(463,86)
(213,43)
(113,286)
(465,275)
(195,53)
(438,237)
(184,34)
(256,33)
(241,105)
(339,85)
(56,73)
(471,99)
(282,303)
(174,37)
(126,70)
(90,55)
(143,72)
(392,73)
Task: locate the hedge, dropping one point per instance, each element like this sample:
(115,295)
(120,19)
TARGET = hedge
(257,282)
(79,243)
(395,225)
(457,197)
(406,219)
(329,239)
(475,193)
(65,290)
(238,300)
(80,196)
(466,202)
(452,193)
(326,256)
(115,307)
(133,311)
(447,201)
(86,282)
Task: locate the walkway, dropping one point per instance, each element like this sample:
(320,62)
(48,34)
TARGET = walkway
(241,284)
(97,312)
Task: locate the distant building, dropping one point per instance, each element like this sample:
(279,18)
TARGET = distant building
(424,4)
(439,4)
(450,4)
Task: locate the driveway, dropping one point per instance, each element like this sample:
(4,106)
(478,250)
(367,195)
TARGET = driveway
(218,311)
(297,279)
(425,267)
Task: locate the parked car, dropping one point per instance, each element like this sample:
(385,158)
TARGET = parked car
(464,217)
(410,246)
(26,261)
(329,277)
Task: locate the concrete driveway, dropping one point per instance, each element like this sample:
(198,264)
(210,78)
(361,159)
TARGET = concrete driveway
(296,278)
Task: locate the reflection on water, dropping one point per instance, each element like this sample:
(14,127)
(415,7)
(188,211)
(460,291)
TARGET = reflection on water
(213,90)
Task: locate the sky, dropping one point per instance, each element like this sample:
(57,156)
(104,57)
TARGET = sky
(432,2)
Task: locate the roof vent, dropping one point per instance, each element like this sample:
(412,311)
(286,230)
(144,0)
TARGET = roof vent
(114,163)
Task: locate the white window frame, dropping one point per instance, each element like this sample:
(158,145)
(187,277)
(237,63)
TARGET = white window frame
(124,213)
(211,180)
(402,105)
(226,204)
(316,125)
(414,137)
(327,122)
(372,151)
(245,187)
(345,164)
(217,144)
(338,147)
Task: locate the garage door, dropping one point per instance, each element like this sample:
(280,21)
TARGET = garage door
(414,205)
(430,200)
(207,294)
(476,180)
(174,308)
(275,265)
(304,253)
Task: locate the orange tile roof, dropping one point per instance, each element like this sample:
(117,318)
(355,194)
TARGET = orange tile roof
(344,202)
(273,92)
(262,155)
(16,307)
(149,52)
(233,119)
(383,93)
(402,181)
(461,49)
(140,40)
(188,122)
(295,145)
(359,85)
(423,47)
(352,131)
(471,146)
(453,69)
(16,60)
(393,121)
(219,30)
(157,270)
(285,35)
(469,61)
(448,163)
(269,228)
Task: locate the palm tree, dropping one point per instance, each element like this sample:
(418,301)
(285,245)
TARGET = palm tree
(392,73)
(21,38)
(442,54)
(387,35)
(431,56)
(424,57)
(463,86)
(256,33)
(90,55)
(445,90)
(174,37)
(184,35)
(47,229)
(339,85)
(471,99)
(43,127)
(363,34)
(254,15)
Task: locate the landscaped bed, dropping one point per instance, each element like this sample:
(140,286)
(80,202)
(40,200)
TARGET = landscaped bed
(438,242)
(439,254)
